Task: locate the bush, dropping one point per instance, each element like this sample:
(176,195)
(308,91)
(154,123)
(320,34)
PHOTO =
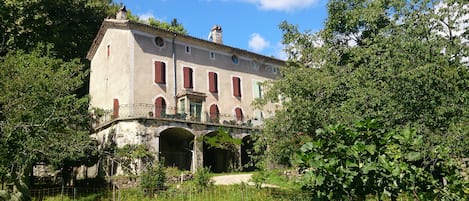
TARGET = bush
(349,163)
(202,178)
(154,177)
(259,178)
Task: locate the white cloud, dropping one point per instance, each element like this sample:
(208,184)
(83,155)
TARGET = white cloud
(257,42)
(283,5)
(280,52)
(146,16)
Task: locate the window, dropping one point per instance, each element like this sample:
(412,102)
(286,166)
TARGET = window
(239,114)
(274,69)
(160,72)
(257,89)
(214,113)
(188,78)
(212,55)
(159,41)
(108,50)
(182,106)
(160,107)
(212,82)
(188,49)
(255,65)
(234,59)
(115,108)
(236,87)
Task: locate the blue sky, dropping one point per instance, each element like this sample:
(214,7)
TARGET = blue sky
(247,24)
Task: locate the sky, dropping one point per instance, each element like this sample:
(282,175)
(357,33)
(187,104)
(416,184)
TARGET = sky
(247,24)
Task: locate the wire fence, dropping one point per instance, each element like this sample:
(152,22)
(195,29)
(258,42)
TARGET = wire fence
(226,193)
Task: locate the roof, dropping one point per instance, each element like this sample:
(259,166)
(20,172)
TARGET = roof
(131,25)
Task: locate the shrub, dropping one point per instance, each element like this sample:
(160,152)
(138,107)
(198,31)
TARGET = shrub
(154,177)
(348,163)
(260,178)
(202,178)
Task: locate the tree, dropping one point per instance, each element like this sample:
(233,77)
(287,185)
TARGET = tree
(70,25)
(174,26)
(400,62)
(41,119)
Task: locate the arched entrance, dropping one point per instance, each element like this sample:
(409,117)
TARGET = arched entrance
(176,147)
(218,159)
(247,150)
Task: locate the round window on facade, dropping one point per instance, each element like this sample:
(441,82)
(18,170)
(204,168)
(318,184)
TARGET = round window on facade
(235,59)
(159,41)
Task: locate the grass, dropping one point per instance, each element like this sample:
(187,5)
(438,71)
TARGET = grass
(189,193)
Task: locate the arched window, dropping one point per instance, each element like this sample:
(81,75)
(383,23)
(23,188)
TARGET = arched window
(214,113)
(239,114)
(160,107)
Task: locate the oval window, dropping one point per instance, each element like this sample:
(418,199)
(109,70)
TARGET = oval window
(159,41)
(235,60)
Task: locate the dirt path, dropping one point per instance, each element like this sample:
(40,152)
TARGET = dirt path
(237,179)
(231,179)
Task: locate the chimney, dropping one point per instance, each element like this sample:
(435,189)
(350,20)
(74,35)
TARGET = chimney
(121,13)
(215,34)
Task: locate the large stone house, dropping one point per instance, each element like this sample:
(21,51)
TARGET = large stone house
(166,90)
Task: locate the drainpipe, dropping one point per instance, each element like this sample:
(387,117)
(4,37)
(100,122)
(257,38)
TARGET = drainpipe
(175,74)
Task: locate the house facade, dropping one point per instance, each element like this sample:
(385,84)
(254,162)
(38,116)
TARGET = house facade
(167,91)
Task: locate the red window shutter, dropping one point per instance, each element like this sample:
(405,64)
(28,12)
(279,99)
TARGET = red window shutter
(239,114)
(214,113)
(213,82)
(115,108)
(160,72)
(236,87)
(160,107)
(187,77)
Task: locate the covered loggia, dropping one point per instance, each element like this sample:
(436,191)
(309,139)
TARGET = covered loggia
(176,147)
(220,158)
(247,149)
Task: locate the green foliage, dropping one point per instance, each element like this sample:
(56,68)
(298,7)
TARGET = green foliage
(401,62)
(129,155)
(174,26)
(259,178)
(222,140)
(349,163)
(41,119)
(154,177)
(70,25)
(202,178)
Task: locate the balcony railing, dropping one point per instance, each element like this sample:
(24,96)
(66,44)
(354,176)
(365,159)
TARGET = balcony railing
(142,110)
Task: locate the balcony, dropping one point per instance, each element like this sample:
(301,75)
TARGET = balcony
(168,113)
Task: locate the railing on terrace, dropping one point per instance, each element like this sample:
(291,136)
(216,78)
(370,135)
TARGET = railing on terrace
(142,110)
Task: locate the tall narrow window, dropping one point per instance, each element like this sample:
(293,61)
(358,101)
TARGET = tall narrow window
(188,78)
(160,72)
(108,51)
(214,113)
(115,108)
(160,107)
(212,82)
(236,87)
(239,114)
(257,89)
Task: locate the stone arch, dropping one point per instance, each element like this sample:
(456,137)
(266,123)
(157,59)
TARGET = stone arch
(217,159)
(176,148)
